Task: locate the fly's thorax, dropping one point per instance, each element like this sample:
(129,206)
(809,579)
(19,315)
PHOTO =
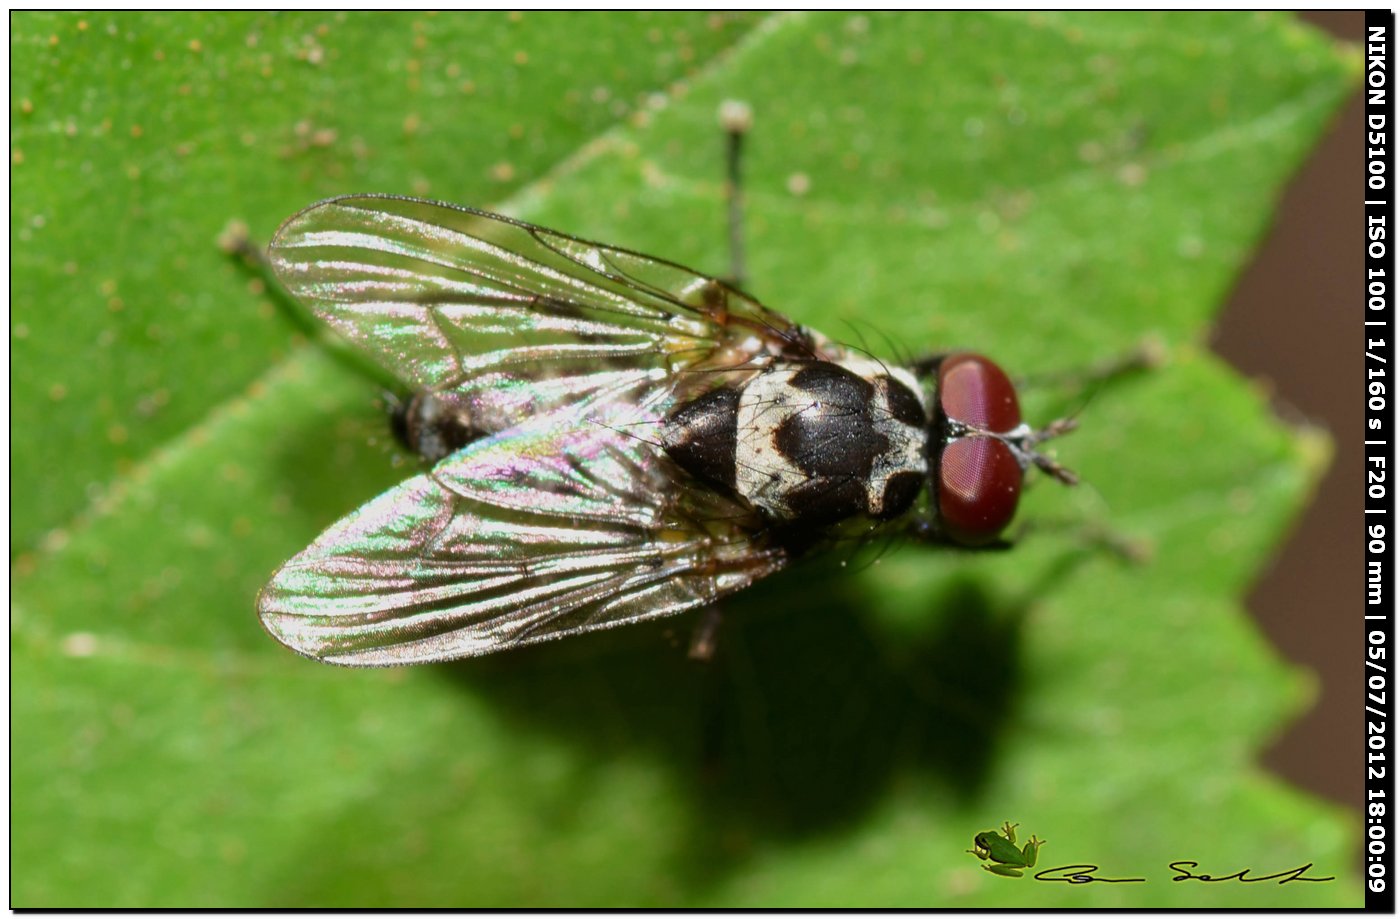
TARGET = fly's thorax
(809,442)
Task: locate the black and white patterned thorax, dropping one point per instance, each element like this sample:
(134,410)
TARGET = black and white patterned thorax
(810,442)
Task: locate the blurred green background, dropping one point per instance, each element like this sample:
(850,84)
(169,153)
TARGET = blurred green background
(1047,188)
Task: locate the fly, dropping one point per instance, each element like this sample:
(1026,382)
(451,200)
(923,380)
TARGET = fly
(613,438)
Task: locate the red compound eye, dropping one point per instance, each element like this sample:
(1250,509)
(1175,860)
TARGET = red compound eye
(979,478)
(979,482)
(976,392)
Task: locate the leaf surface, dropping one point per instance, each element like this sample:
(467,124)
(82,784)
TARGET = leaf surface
(1047,188)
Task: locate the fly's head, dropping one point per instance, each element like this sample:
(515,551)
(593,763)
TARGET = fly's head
(980,449)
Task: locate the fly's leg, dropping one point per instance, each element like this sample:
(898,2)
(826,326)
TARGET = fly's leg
(1085,538)
(1148,354)
(736,118)
(706,637)
(237,243)
(1093,537)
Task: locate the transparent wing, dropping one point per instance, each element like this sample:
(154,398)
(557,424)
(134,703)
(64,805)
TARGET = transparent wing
(448,298)
(549,529)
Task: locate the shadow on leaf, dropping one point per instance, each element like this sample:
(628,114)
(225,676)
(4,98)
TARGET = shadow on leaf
(808,714)
(802,720)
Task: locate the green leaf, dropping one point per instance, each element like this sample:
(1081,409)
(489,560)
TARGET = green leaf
(1048,188)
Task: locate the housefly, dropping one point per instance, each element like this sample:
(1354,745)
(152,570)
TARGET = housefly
(612,438)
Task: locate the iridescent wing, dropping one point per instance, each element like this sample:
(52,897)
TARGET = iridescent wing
(518,318)
(560,525)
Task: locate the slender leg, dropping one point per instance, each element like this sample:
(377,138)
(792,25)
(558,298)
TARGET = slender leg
(1148,354)
(736,118)
(706,637)
(1092,536)
(236,242)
